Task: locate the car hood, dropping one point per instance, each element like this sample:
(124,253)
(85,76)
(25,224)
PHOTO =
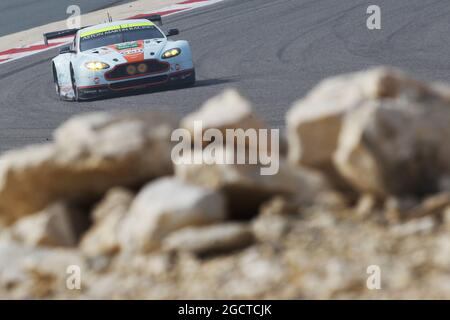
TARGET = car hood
(127,52)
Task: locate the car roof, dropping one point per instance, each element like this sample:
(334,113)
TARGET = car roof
(106,25)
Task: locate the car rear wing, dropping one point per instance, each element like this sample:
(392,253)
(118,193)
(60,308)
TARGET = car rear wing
(59,34)
(153,18)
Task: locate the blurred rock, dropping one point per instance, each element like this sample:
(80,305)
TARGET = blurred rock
(229,110)
(244,185)
(431,206)
(59,225)
(30,273)
(220,238)
(166,205)
(270,228)
(227,121)
(102,238)
(446,216)
(365,206)
(314,124)
(395,147)
(316,120)
(16,169)
(117,199)
(401,205)
(395,209)
(332,200)
(442,89)
(381,134)
(91,153)
(422,225)
(279,206)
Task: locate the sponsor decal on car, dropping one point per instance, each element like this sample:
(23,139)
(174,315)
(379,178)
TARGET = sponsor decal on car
(116,28)
(134,51)
(129,45)
(131,51)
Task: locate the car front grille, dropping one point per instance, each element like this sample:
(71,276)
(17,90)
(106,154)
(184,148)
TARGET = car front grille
(138,82)
(153,66)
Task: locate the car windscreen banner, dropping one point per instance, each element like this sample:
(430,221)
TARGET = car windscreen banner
(116,29)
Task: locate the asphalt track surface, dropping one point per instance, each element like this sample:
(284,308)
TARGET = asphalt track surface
(272,51)
(19,15)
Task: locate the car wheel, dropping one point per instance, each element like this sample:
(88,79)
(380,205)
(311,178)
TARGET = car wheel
(74,85)
(190,81)
(57,87)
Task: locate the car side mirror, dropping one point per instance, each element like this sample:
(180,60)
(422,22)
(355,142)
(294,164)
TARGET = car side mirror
(66,49)
(173,32)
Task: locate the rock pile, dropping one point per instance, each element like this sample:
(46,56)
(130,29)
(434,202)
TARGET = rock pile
(365,181)
(379,131)
(91,154)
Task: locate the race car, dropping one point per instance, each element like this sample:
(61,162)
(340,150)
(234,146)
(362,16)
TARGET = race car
(119,56)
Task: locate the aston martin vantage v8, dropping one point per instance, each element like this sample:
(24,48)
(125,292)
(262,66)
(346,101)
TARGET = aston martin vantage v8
(119,56)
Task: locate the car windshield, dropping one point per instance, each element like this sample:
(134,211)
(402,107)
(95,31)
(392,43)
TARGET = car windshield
(118,34)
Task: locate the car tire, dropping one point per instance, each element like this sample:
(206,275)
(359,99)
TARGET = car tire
(74,85)
(57,87)
(190,81)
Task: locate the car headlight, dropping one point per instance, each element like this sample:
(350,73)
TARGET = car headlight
(171,53)
(96,65)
